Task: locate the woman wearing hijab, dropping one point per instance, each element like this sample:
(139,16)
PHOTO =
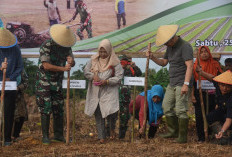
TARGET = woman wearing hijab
(154,99)
(209,65)
(104,73)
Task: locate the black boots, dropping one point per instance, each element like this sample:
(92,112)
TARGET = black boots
(45,122)
(152,131)
(122,132)
(58,128)
(172,125)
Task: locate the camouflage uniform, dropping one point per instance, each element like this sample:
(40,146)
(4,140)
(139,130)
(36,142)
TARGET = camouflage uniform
(125,96)
(85,18)
(49,97)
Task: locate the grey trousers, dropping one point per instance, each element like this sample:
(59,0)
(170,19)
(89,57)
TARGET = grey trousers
(100,123)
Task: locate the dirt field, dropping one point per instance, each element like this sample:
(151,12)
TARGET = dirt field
(86,146)
(102,13)
(104,20)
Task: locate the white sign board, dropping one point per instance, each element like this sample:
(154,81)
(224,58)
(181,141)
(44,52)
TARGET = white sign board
(134,81)
(76,84)
(205,84)
(10,85)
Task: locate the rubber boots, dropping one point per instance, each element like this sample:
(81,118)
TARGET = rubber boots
(152,131)
(172,125)
(45,122)
(183,130)
(58,128)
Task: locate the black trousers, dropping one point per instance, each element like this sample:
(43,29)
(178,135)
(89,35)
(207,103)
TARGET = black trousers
(198,113)
(152,129)
(123,17)
(217,115)
(18,123)
(9,109)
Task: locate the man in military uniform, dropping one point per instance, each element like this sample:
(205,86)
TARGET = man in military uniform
(52,63)
(86,22)
(130,70)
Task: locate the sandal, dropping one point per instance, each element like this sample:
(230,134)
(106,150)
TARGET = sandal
(112,135)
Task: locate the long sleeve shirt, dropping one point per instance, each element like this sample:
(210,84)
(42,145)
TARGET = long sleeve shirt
(139,106)
(14,60)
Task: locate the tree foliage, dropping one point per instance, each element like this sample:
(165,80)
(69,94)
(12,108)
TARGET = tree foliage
(161,77)
(79,75)
(30,69)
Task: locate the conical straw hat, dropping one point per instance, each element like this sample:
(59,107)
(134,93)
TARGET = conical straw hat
(165,33)
(225,77)
(7,39)
(62,35)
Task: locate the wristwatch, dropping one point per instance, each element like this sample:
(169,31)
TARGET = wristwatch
(186,83)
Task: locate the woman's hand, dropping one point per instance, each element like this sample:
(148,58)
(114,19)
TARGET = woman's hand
(104,82)
(219,135)
(141,130)
(96,78)
(198,69)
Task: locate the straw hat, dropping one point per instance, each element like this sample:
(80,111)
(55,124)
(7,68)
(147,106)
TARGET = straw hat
(165,33)
(62,35)
(7,39)
(225,77)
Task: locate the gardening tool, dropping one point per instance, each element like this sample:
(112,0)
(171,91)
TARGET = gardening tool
(145,89)
(67,108)
(133,120)
(2,105)
(202,101)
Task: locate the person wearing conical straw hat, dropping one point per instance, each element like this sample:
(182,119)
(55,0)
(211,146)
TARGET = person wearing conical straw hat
(224,82)
(223,113)
(52,63)
(14,66)
(179,55)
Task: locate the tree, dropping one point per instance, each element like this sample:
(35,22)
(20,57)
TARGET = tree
(161,77)
(30,69)
(79,75)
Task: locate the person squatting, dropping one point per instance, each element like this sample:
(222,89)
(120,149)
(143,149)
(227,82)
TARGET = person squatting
(108,98)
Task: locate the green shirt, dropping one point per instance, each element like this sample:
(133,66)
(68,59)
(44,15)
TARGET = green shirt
(177,55)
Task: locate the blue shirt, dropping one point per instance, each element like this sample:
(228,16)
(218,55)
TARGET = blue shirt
(120,6)
(14,60)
